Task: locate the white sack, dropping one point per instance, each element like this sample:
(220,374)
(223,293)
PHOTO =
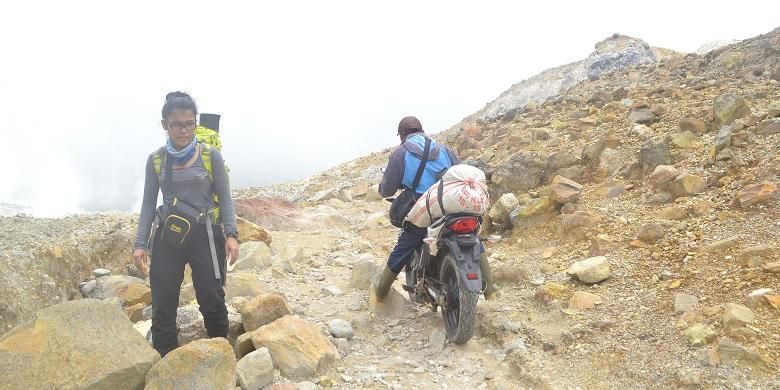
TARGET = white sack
(465,191)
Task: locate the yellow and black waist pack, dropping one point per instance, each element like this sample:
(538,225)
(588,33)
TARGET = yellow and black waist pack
(178,221)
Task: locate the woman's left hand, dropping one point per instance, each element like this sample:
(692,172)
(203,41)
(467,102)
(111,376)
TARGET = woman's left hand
(231,249)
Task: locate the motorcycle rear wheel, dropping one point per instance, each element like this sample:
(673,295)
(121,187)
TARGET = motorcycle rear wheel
(460,309)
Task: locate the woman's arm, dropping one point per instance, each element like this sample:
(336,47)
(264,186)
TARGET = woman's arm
(151,189)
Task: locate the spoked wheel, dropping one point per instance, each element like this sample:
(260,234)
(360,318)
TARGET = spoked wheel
(460,307)
(411,278)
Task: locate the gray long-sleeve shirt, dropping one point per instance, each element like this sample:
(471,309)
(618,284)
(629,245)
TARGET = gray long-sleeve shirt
(192,185)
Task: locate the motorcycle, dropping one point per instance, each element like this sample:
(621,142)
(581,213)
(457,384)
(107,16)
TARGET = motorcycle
(444,272)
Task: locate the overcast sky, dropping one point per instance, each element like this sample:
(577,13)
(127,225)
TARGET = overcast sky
(301,85)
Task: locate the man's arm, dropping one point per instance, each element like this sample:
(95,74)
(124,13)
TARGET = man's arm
(453,158)
(394,173)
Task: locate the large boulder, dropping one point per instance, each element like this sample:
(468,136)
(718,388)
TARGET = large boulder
(563,190)
(519,173)
(757,194)
(249,231)
(298,348)
(730,107)
(264,309)
(239,284)
(686,185)
(363,273)
(538,213)
(499,213)
(653,154)
(83,344)
(130,290)
(202,364)
(253,254)
(592,270)
(190,326)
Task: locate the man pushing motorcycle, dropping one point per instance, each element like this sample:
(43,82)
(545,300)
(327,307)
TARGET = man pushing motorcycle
(414,166)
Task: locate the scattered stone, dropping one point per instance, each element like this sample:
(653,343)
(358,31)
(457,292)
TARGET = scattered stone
(249,231)
(341,329)
(663,174)
(772,267)
(603,244)
(672,213)
(768,127)
(582,300)
(735,354)
(243,345)
(609,162)
(642,116)
(98,272)
(692,125)
(754,256)
(686,140)
(736,316)
(264,309)
(499,213)
(517,344)
(253,254)
(332,291)
(363,273)
(255,370)
(773,110)
(550,292)
(510,273)
(356,303)
(720,245)
(700,334)
(689,378)
(87,288)
(757,298)
(592,270)
(687,185)
(703,208)
(536,214)
(730,107)
(612,189)
(757,194)
(549,252)
(519,173)
(653,154)
(297,347)
(651,232)
(437,339)
(642,132)
(242,284)
(130,290)
(684,303)
(208,363)
(109,352)
(136,312)
(563,190)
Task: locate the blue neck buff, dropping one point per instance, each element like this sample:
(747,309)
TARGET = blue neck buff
(185,154)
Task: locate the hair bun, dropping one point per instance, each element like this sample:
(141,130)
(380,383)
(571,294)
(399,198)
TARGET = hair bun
(177,94)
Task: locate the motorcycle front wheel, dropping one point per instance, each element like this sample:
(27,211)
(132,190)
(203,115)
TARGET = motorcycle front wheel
(460,307)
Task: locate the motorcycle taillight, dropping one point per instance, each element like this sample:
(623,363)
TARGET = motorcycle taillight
(464,225)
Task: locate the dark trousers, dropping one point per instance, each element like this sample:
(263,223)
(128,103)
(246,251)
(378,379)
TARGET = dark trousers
(410,238)
(166,274)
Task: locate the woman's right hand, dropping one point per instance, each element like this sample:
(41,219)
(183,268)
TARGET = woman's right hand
(140,257)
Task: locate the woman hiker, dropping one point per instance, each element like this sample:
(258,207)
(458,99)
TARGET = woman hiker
(196,224)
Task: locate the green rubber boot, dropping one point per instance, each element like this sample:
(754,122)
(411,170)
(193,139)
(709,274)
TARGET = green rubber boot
(491,291)
(383,282)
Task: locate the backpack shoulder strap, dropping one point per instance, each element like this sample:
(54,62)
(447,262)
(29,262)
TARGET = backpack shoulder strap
(205,156)
(423,162)
(158,159)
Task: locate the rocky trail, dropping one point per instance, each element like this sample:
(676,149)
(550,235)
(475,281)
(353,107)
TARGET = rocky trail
(636,194)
